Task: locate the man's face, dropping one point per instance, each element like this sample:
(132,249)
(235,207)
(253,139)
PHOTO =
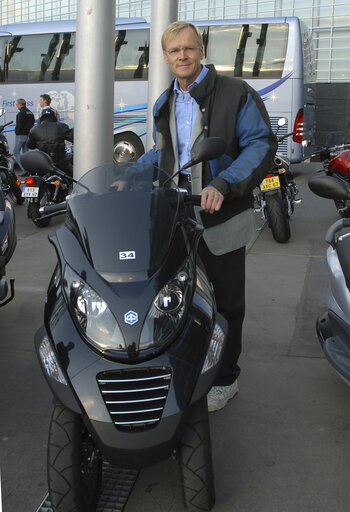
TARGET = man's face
(183,54)
(42,103)
(18,105)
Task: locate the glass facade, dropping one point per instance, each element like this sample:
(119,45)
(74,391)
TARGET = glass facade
(328,19)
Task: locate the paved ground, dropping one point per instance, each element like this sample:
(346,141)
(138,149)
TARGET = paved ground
(282,445)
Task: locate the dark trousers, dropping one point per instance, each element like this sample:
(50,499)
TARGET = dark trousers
(227,273)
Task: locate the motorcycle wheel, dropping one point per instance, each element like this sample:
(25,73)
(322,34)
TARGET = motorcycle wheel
(195,459)
(277,217)
(15,192)
(33,210)
(74,464)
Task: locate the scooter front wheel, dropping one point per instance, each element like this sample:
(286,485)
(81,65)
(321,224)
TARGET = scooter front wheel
(195,459)
(74,464)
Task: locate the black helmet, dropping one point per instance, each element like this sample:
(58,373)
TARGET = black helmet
(48,114)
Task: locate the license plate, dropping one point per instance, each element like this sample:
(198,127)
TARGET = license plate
(30,191)
(270,183)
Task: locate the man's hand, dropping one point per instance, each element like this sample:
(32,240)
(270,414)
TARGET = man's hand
(211,199)
(119,185)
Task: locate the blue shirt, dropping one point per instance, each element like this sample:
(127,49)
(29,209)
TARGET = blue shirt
(185,115)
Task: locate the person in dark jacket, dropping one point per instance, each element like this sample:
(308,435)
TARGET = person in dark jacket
(24,122)
(200,103)
(49,136)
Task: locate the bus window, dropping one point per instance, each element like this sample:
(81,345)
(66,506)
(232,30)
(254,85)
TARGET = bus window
(2,55)
(43,57)
(131,54)
(248,50)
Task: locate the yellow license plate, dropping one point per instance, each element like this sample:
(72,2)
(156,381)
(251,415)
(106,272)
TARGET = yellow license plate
(270,183)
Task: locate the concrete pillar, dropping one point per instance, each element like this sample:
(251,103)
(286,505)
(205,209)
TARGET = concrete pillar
(94,84)
(163,13)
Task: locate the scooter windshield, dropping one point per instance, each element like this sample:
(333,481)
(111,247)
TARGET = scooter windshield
(124,216)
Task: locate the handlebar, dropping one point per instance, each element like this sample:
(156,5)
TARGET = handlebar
(331,149)
(3,126)
(193,199)
(282,137)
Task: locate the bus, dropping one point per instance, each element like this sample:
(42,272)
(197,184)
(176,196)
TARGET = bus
(274,55)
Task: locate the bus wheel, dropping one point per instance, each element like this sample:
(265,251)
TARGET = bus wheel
(127,147)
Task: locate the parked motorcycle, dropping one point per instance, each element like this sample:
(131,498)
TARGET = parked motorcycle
(10,184)
(131,340)
(43,188)
(335,158)
(333,327)
(8,241)
(277,194)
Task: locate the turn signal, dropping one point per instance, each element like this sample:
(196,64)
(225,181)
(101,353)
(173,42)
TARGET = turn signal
(57,183)
(30,181)
(281,171)
(18,183)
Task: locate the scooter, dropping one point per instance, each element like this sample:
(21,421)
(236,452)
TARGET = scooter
(333,327)
(8,242)
(277,194)
(131,340)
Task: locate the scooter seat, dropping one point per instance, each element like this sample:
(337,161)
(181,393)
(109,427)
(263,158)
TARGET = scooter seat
(343,251)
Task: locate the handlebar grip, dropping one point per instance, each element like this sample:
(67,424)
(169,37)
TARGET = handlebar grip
(193,199)
(53,208)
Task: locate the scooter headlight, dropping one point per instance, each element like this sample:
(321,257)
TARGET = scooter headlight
(167,312)
(92,313)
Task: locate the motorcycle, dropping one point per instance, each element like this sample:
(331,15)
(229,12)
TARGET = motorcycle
(333,327)
(335,158)
(277,195)
(10,184)
(8,242)
(42,188)
(131,340)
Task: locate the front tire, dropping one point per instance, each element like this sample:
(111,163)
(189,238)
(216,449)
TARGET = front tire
(195,459)
(74,464)
(277,217)
(33,210)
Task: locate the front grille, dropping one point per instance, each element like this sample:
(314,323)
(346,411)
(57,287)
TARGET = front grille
(135,398)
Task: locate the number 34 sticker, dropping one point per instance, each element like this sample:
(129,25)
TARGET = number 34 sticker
(127,255)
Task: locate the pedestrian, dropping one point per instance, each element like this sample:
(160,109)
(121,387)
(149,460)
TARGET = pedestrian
(45,104)
(200,103)
(49,135)
(24,122)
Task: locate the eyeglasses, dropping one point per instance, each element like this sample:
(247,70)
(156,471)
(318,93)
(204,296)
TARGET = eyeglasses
(174,52)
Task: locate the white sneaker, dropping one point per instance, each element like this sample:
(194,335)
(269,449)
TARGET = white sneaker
(218,396)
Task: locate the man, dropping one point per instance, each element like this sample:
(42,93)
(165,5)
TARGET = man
(49,136)
(200,103)
(45,104)
(24,122)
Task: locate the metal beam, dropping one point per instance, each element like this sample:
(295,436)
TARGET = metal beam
(94,84)
(163,13)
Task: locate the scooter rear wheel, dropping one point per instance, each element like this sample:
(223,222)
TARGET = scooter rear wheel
(74,464)
(195,459)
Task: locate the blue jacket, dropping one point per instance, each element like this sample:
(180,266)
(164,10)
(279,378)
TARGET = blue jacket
(231,109)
